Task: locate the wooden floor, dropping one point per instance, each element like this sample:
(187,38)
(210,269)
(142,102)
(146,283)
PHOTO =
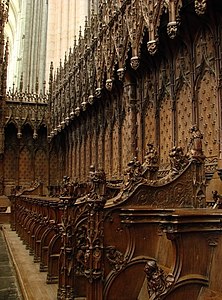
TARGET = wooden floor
(32,282)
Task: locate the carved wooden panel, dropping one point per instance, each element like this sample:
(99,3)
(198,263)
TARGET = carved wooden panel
(165,130)
(82,160)
(150,123)
(215,242)
(177,194)
(53,168)
(10,166)
(77,154)
(93,137)
(61,164)
(148,107)
(69,161)
(184,116)
(182,95)
(41,166)
(115,150)
(100,149)
(208,114)
(108,152)
(26,175)
(74,160)
(87,151)
(207,91)
(126,141)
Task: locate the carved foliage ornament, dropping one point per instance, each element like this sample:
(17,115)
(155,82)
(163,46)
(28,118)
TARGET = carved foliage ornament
(65,293)
(94,243)
(115,258)
(152,46)
(158,283)
(89,237)
(134,62)
(172,28)
(200,6)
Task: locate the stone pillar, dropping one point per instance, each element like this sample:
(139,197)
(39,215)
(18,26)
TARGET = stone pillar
(29,44)
(64,19)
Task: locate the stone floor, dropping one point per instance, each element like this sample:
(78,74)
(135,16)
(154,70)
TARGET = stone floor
(32,282)
(9,288)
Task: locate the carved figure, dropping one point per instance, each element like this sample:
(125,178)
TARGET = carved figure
(109,84)
(98,93)
(151,157)
(133,173)
(121,73)
(97,254)
(195,146)
(134,62)
(217,200)
(177,159)
(97,181)
(172,29)
(152,47)
(64,186)
(81,236)
(158,283)
(91,176)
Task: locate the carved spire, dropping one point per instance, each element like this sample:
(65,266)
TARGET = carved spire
(37,85)
(21,83)
(80,34)
(51,73)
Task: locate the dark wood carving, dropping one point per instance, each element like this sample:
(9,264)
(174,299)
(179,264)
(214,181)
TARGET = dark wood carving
(158,283)
(138,207)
